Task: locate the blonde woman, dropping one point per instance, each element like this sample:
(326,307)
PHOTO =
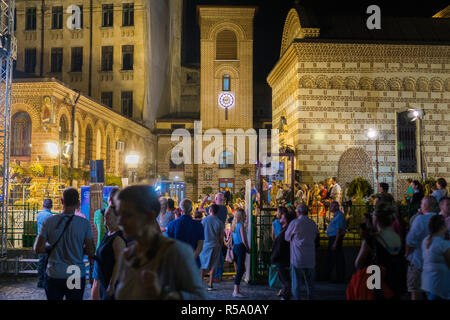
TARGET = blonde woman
(240,248)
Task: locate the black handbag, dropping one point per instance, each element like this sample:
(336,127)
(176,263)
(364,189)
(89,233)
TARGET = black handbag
(49,250)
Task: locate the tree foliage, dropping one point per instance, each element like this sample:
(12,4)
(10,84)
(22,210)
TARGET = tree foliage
(360,188)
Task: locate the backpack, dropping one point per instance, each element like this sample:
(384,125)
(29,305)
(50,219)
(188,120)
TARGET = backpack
(392,278)
(395,265)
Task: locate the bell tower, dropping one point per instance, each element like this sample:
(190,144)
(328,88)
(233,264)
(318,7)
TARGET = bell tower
(226,64)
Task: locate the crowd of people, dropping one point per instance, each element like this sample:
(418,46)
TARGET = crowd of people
(316,194)
(144,244)
(414,256)
(145,239)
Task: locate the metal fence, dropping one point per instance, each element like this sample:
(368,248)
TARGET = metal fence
(22,229)
(262,232)
(35,193)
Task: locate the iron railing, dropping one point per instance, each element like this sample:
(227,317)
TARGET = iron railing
(22,229)
(320,214)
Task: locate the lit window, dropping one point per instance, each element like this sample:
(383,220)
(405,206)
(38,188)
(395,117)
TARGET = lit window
(406,143)
(226,83)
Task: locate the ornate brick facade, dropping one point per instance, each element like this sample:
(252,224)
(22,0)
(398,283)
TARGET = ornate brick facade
(332,92)
(30,96)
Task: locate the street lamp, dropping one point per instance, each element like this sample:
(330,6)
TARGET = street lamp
(373,135)
(419,114)
(132,161)
(53,149)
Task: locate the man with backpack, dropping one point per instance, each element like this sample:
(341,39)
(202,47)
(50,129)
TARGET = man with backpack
(66,238)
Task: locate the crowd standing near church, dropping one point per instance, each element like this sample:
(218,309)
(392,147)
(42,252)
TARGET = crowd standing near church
(147,242)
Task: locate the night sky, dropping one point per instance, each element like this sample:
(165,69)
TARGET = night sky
(269,23)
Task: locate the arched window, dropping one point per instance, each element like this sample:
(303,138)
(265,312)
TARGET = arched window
(406,144)
(63,130)
(88,145)
(226,160)
(226,82)
(98,145)
(21,135)
(226,45)
(108,150)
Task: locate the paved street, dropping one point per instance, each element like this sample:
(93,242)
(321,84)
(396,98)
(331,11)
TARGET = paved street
(24,288)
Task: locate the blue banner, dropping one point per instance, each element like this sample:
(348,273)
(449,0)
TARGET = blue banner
(85,198)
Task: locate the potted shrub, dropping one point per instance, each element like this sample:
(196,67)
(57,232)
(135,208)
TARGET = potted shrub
(359,189)
(245,171)
(37,170)
(65,174)
(428,185)
(17,169)
(207,190)
(111,180)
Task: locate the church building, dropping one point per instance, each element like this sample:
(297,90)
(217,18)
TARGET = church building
(343,96)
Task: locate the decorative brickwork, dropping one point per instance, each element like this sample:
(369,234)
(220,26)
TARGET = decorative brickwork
(353,163)
(331,94)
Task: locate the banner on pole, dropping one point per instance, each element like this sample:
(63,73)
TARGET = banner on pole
(248,211)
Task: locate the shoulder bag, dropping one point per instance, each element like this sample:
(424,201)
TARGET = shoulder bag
(49,250)
(229,257)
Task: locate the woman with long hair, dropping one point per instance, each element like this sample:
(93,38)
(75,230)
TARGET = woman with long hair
(107,254)
(384,248)
(436,260)
(240,248)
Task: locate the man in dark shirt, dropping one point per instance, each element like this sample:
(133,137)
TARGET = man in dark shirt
(187,229)
(228,198)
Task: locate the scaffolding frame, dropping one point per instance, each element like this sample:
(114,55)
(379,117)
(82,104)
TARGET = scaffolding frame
(8,53)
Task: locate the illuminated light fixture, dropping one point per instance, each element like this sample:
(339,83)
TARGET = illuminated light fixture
(52,148)
(372,133)
(415,114)
(132,159)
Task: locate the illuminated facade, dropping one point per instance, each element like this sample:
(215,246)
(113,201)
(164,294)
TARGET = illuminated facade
(328,91)
(225,84)
(42,113)
(119,54)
